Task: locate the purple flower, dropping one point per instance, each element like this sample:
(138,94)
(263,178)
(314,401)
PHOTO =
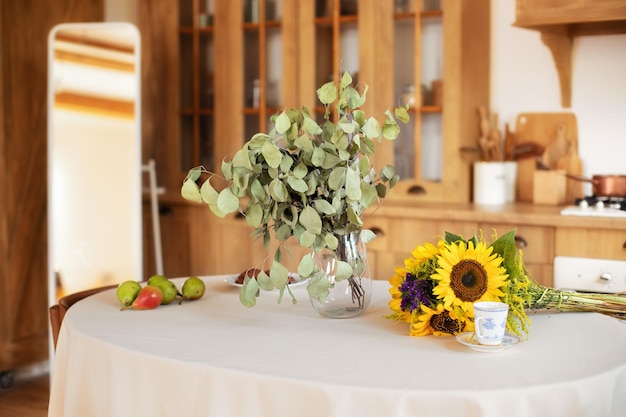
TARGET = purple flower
(415,292)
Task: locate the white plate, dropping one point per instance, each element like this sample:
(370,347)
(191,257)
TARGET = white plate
(231,280)
(468,339)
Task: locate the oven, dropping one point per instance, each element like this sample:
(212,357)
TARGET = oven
(591,274)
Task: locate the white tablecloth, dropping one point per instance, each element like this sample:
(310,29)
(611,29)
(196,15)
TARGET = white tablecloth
(214,357)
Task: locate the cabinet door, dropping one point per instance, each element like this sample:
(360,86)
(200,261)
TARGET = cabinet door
(591,243)
(255,68)
(397,237)
(196,78)
(441,67)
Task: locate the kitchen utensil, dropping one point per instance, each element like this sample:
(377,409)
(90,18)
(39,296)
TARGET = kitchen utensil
(556,149)
(523,150)
(604,185)
(495,138)
(509,143)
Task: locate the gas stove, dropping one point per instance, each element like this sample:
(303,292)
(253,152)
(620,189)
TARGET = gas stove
(596,206)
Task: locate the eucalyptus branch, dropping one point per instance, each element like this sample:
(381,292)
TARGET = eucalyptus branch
(305,180)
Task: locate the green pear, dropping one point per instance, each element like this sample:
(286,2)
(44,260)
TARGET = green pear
(169,290)
(193,288)
(154,279)
(127,292)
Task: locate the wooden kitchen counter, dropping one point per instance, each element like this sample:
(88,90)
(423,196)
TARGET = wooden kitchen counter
(515,213)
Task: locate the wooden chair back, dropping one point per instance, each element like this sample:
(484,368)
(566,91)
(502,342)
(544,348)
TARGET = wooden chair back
(57,311)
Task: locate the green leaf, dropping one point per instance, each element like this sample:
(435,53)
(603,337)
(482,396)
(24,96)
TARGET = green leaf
(272,154)
(381,189)
(347,127)
(284,232)
(353,184)
(318,157)
(327,93)
(190,191)
(318,286)
(303,142)
(330,161)
(391,130)
(354,217)
(346,80)
(306,266)
(265,283)
(254,215)
(241,159)
(249,292)
(209,195)
(306,239)
(282,123)
(300,170)
(279,275)
(367,235)
(344,271)
(402,114)
(323,206)
(297,184)
(337,178)
(369,194)
(227,170)
(387,173)
(331,241)
(310,219)
(227,202)
(278,190)
(310,126)
(194,174)
(286,163)
(371,129)
(257,190)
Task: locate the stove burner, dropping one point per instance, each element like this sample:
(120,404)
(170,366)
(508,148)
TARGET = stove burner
(600,202)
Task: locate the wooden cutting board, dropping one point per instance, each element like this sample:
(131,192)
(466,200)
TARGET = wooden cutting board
(541,128)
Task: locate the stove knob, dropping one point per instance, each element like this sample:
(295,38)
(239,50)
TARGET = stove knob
(583,204)
(606,277)
(600,204)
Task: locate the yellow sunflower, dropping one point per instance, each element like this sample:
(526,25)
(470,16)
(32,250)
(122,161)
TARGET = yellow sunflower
(439,322)
(467,274)
(396,296)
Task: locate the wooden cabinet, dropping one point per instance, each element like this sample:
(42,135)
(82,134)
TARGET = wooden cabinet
(401,227)
(591,243)
(441,64)
(219,69)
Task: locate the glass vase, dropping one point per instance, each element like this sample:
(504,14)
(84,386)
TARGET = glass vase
(351,296)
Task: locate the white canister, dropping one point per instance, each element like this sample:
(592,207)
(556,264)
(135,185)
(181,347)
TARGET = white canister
(490,184)
(510,173)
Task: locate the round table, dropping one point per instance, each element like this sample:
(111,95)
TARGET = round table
(214,357)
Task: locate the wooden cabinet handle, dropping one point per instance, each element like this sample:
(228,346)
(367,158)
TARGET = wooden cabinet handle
(377,231)
(416,189)
(520,242)
(624,245)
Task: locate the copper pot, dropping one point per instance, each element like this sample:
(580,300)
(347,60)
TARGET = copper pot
(605,185)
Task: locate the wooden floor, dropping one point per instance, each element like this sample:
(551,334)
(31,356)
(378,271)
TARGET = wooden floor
(26,397)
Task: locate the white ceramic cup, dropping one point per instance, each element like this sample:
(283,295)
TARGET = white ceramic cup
(490,322)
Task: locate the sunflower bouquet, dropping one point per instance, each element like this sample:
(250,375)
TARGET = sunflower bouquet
(435,289)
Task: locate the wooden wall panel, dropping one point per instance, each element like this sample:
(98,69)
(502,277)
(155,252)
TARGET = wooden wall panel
(23,146)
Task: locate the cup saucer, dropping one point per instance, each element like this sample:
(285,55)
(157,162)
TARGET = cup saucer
(469,340)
